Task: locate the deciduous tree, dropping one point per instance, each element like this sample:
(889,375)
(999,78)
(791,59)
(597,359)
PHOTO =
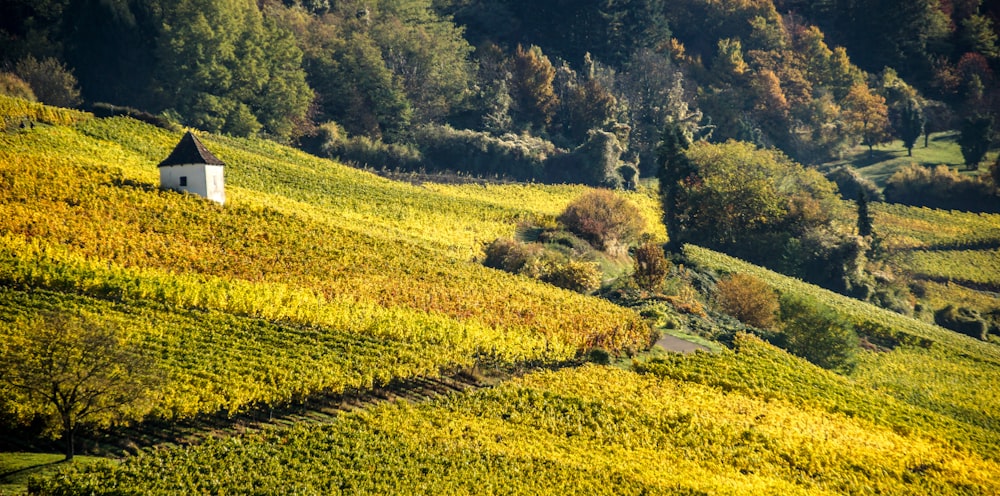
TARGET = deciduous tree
(50,80)
(223,68)
(534,96)
(867,116)
(74,371)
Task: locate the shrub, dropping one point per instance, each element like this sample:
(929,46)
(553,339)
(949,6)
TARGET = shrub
(817,333)
(107,110)
(604,219)
(512,256)
(629,173)
(574,275)
(50,80)
(11,85)
(595,163)
(599,356)
(444,148)
(940,187)
(651,266)
(850,183)
(963,320)
(333,142)
(749,299)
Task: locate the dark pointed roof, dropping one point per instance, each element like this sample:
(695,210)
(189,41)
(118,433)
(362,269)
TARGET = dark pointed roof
(190,151)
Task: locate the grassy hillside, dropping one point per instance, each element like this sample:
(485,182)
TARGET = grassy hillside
(306,252)
(593,430)
(950,257)
(942,149)
(318,278)
(928,368)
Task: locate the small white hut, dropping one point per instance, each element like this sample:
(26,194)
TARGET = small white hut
(192,168)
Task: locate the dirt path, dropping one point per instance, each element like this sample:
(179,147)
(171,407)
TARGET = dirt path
(678,345)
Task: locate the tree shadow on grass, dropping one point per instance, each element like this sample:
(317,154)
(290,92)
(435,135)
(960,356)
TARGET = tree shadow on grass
(877,156)
(12,475)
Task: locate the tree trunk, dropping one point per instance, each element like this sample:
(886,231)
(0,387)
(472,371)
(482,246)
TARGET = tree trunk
(68,431)
(909,151)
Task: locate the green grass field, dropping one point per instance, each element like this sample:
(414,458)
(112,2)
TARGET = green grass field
(887,158)
(17,468)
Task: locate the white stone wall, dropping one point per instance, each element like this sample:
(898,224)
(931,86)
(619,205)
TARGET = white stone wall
(203,180)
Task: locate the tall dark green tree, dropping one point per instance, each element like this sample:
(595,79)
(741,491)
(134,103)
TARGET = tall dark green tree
(865,223)
(674,167)
(976,132)
(911,124)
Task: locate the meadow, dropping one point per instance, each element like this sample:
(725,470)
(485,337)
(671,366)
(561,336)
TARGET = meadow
(942,149)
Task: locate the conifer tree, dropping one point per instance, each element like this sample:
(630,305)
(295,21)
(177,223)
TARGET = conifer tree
(534,95)
(974,139)
(864,215)
(911,122)
(674,166)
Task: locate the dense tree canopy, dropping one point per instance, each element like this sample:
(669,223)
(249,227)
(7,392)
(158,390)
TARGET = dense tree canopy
(223,67)
(762,71)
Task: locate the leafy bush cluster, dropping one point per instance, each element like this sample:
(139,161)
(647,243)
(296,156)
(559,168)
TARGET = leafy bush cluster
(533,260)
(816,332)
(12,85)
(760,206)
(941,187)
(597,221)
(748,299)
(331,140)
(850,183)
(803,325)
(109,110)
(964,320)
(595,163)
(50,81)
(603,218)
(522,157)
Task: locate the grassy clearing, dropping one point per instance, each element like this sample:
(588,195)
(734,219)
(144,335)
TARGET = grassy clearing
(887,158)
(17,468)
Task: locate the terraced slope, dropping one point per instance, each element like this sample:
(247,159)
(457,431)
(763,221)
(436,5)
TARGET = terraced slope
(316,255)
(592,430)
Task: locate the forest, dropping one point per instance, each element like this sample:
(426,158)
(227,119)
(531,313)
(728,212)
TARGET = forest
(554,91)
